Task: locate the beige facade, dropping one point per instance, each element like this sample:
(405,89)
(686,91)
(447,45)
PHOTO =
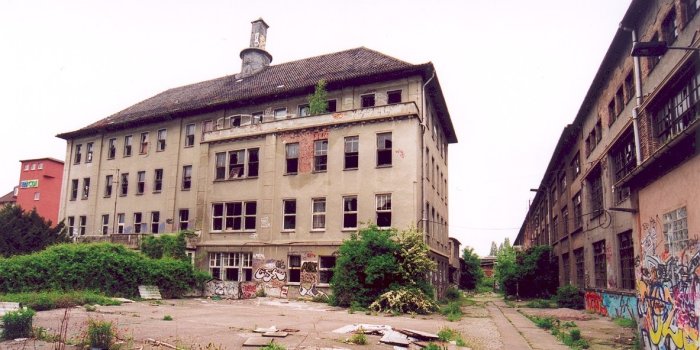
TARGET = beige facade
(271,191)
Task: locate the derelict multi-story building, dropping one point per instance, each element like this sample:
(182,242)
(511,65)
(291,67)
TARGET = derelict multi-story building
(270,189)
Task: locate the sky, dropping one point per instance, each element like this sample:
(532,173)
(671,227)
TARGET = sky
(513,73)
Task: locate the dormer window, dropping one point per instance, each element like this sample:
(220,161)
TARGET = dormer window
(393,97)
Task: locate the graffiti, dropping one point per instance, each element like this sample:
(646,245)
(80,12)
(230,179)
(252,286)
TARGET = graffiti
(268,275)
(400,153)
(669,300)
(224,289)
(309,266)
(649,232)
(594,302)
(248,290)
(284,291)
(611,304)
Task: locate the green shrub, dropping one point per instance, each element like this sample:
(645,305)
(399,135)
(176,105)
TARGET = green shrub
(49,300)
(625,322)
(453,311)
(575,334)
(544,322)
(452,293)
(100,334)
(485,285)
(447,334)
(358,339)
(404,300)
(167,318)
(472,274)
(273,346)
(570,296)
(165,246)
(432,346)
(109,268)
(17,324)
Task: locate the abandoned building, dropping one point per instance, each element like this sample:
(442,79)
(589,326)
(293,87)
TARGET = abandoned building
(619,201)
(270,188)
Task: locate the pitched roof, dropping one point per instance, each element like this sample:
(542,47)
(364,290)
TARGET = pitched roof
(8,198)
(359,65)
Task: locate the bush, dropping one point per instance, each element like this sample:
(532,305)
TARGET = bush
(453,293)
(570,296)
(100,334)
(165,246)
(17,324)
(544,322)
(575,334)
(358,339)
(374,262)
(25,232)
(49,300)
(453,311)
(472,274)
(537,269)
(109,268)
(404,300)
(539,304)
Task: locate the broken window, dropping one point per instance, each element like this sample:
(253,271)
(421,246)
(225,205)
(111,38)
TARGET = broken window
(88,152)
(578,213)
(350,212)
(108,185)
(162,135)
(231,266)
(86,187)
(105,224)
(186,177)
(393,97)
(155,221)
(235,121)
(71,225)
(257,117)
(294,269)
(367,100)
(629,87)
(140,182)
(304,110)
(383,210)
(576,165)
(120,222)
(595,183)
(565,221)
(124,189)
(183,219)
(600,264)
(139,225)
(679,111)
(669,27)
(234,216)
(253,162)
(652,61)
(82,225)
(189,135)
(292,158)
(280,113)
(158,180)
(236,163)
(676,230)
(384,145)
(127,145)
(78,154)
(320,155)
(352,149)
(580,267)
(289,208)
(331,106)
(112,148)
(626,250)
(143,146)
(73,189)
(325,269)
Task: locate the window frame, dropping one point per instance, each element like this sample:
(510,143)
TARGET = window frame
(109,182)
(138,223)
(86,188)
(320,155)
(600,264)
(112,148)
(158,180)
(82,225)
(368,100)
(140,182)
(190,131)
(89,149)
(162,135)
(229,214)
(392,94)
(71,225)
(74,184)
(348,212)
(105,224)
(155,221)
(183,225)
(143,143)
(78,154)
(239,262)
(325,270)
(318,213)
(385,150)
(383,207)
(121,222)
(626,258)
(580,262)
(294,269)
(351,152)
(127,150)
(304,110)
(289,213)
(291,160)
(186,183)
(123,184)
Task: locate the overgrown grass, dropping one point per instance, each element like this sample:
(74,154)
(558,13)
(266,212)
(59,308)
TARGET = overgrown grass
(57,300)
(453,311)
(540,304)
(358,338)
(625,322)
(485,285)
(447,334)
(273,346)
(567,332)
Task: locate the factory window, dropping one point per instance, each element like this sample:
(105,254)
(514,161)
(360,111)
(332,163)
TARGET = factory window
(294,269)
(124,189)
(112,148)
(393,97)
(155,221)
(82,225)
(580,267)
(367,100)
(162,136)
(320,155)
(676,231)
(120,222)
(184,219)
(186,177)
(600,264)
(88,152)
(139,225)
(304,110)
(292,158)
(352,148)
(127,145)
(383,210)
(318,214)
(234,216)
(105,224)
(140,182)
(78,154)
(332,106)
(143,146)
(158,180)
(86,187)
(73,189)
(626,259)
(384,146)
(71,225)
(231,266)
(325,269)
(189,135)
(350,212)
(289,208)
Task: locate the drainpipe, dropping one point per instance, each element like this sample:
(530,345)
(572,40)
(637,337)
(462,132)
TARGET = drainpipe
(422,164)
(638,97)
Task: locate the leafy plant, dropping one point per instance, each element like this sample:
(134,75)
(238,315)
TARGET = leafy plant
(167,318)
(625,322)
(100,334)
(318,101)
(165,246)
(447,334)
(23,232)
(17,324)
(432,346)
(539,304)
(472,274)
(404,300)
(452,294)
(273,346)
(569,296)
(544,322)
(453,311)
(358,339)
(374,262)
(72,267)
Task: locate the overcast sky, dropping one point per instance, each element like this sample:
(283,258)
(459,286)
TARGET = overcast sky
(513,72)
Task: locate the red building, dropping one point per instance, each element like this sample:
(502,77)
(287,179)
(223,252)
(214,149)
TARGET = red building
(40,186)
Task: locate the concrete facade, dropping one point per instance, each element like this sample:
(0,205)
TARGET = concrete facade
(40,184)
(271,191)
(618,202)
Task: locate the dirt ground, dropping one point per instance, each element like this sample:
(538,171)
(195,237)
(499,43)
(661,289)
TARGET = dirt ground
(205,324)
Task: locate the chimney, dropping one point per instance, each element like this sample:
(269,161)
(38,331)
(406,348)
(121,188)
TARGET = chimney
(255,58)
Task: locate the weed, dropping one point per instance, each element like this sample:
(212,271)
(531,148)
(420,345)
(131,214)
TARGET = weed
(41,301)
(167,318)
(453,311)
(539,304)
(453,294)
(358,338)
(271,346)
(90,308)
(575,334)
(41,333)
(100,334)
(625,322)
(544,322)
(432,346)
(447,334)
(568,324)
(260,293)
(18,324)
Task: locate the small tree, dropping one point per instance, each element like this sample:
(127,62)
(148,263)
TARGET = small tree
(494,249)
(472,275)
(165,246)
(538,267)
(318,101)
(506,269)
(25,232)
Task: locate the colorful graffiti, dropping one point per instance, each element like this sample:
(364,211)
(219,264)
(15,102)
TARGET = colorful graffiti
(611,304)
(309,276)
(223,289)
(248,290)
(669,291)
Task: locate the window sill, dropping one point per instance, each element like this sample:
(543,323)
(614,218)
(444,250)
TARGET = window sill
(110,196)
(84,198)
(126,156)
(383,166)
(319,171)
(184,189)
(156,192)
(349,229)
(72,199)
(287,231)
(139,194)
(290,174)
(293,283)
(318,230)
(188,146)
(236,178)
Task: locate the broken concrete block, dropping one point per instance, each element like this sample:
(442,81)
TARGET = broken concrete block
(150,293)
(257,341)
(419,334)
(277,334)
(395,338)
(265,330)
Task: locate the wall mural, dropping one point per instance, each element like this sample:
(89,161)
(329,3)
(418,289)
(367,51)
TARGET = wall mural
(669,292)
(271,275)
(309,275)
(611,304)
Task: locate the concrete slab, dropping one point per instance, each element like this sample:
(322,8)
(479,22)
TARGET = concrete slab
(150,292)
(257,341)
(395,338)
